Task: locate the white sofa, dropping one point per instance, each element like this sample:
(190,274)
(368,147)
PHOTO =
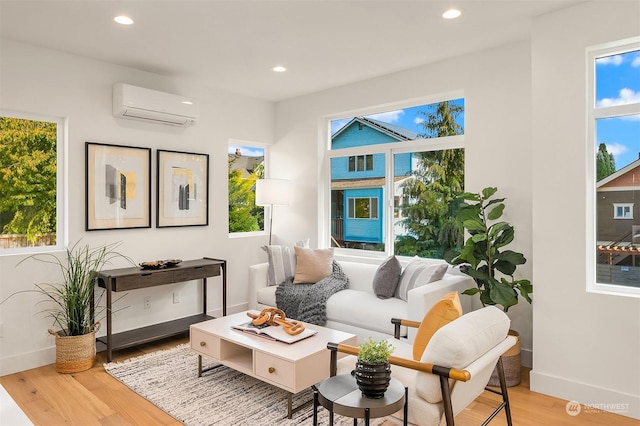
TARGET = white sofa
(358,310)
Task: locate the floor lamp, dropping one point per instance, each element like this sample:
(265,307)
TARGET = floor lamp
(272,192)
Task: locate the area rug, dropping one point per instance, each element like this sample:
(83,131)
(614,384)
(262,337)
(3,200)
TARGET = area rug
(169,379)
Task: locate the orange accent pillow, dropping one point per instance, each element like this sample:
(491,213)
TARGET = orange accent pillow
(442,313)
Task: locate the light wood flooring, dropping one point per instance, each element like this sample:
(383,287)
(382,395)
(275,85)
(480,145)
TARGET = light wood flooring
(93,397)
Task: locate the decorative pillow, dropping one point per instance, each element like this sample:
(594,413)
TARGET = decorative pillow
(419,272)
(443,312)
(282,264)
(312,265)
(459,343)
(385,281)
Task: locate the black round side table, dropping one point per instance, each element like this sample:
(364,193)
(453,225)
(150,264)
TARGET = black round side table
(340,395)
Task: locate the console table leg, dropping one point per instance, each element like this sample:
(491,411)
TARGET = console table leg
(315,406)
(199,365)
(108,306)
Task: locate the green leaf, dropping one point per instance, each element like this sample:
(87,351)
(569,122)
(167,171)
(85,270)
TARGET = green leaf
(479,237)
(512,257)
(469,196)
(496,212)
(471,291)
(474,224)
(489,191)
(503,294)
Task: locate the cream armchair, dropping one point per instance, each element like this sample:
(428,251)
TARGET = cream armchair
(454,369)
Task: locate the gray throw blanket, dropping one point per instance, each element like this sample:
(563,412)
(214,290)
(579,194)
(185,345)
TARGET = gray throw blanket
(307,302)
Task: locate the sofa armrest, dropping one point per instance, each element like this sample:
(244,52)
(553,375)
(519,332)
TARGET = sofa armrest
(421,299)
(258,278)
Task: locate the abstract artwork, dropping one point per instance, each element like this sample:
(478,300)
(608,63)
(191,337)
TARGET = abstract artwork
(117,186)
(183,189)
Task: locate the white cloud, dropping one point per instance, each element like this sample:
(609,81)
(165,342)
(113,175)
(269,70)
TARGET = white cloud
(610,60)
(418,120)
(636,61)
(616,148)
(626,96)
(387,117)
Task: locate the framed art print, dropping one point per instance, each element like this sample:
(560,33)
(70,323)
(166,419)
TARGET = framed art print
(183,189)
(117,187)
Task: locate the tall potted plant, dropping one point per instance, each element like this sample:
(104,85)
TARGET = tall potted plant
(72,303)
(485,259)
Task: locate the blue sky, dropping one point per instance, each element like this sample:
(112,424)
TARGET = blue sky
(408,118)
(618,83)
(250,151)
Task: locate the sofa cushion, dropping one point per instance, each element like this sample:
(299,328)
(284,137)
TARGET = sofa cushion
(364,309)
(459,343)
(442,313)
(282,264)
(385,281)
(419,272)
(312,265)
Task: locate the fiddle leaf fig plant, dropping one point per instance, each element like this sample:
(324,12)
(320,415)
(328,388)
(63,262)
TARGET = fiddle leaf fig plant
(484,257)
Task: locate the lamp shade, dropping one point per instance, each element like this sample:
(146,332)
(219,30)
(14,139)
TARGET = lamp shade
(272,192)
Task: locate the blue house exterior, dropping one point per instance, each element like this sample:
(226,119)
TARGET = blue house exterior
(357,196)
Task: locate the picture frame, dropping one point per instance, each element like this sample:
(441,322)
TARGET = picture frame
(182,189)
(117,187)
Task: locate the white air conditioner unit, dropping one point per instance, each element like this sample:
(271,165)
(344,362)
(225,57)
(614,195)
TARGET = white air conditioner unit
(138,103)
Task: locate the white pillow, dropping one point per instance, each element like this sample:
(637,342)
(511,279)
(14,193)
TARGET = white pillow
(419,272)
(282,262)
(458,344)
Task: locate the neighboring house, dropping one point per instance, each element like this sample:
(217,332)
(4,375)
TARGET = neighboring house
(245,163)
(618,213)
(357,181)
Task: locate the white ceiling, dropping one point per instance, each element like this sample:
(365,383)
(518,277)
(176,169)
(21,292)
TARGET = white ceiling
(233,45)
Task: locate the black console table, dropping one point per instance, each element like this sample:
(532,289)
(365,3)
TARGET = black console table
(125,279)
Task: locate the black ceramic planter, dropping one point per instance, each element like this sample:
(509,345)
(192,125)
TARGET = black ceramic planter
(373,379)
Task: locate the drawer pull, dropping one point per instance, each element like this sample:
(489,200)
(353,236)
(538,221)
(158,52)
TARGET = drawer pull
(203,343)
(271,370)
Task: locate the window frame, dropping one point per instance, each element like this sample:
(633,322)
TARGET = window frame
(616,206)
(593,114)
(267,209)
(389,150)
(62,202)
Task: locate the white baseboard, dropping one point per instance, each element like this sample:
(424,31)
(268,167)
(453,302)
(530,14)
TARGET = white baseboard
(27,361)
(593,399)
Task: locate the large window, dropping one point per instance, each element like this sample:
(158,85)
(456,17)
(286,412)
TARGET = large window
(31,186)
(394,177)
(246,164)
(614,135)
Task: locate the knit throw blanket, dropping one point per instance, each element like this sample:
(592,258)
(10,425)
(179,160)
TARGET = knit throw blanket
(307,302)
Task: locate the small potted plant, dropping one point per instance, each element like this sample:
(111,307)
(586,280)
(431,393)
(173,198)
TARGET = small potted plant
(373,371)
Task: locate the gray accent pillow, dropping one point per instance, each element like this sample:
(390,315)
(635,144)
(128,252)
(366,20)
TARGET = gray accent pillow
(385,280)
(419,272)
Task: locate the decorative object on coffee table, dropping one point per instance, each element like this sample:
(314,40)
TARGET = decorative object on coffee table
(373,371)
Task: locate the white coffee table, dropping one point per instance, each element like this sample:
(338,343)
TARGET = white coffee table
(292,367)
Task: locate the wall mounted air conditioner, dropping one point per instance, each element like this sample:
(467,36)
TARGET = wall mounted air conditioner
(138,103)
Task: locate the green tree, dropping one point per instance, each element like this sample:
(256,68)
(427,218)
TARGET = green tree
(432,190)
(28,177)
(244,215)
(605,163)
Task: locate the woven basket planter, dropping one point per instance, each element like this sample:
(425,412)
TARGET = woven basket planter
(511,364)
(75,353)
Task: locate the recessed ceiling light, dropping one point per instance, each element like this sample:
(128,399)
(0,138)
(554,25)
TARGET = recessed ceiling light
(279,68)
(451,14)
(124,20)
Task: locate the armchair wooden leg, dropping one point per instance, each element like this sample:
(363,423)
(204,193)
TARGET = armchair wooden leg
(504,393)
(446,400)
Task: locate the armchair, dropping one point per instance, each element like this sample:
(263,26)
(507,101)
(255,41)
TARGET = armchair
(454,369)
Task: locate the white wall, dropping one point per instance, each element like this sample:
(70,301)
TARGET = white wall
(497,92)
(586,346)
(42,81)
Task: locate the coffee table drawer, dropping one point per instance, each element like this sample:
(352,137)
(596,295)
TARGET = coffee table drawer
(275,370)
(205,344)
